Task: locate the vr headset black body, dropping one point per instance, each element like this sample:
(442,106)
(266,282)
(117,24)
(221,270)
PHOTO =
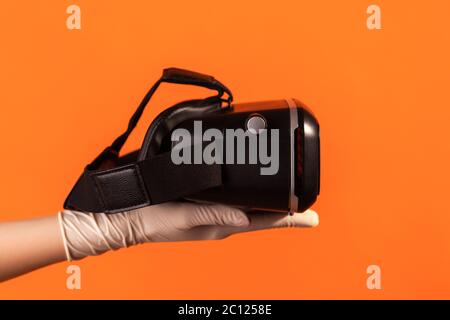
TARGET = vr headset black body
(171,164)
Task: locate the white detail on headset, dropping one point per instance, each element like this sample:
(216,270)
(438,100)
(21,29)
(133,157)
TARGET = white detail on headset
(293,199)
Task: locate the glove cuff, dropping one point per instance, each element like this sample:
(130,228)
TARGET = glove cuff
(91,234)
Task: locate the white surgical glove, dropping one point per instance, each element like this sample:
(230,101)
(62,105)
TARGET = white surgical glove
(90,234)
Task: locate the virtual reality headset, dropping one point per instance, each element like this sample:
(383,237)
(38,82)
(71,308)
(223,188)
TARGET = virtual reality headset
(259,155)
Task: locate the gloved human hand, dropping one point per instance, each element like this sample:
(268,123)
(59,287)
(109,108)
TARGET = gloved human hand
(88,234)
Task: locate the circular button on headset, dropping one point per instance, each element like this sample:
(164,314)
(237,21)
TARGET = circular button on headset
(255,123)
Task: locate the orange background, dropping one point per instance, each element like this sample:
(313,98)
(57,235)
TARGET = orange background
(382,98)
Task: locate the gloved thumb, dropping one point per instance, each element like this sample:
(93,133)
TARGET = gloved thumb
(220,215)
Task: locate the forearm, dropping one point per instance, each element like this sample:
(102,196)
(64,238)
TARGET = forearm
(29,245)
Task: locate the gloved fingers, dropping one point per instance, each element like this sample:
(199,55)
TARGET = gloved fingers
(270,220)
(216,215)
(258,221)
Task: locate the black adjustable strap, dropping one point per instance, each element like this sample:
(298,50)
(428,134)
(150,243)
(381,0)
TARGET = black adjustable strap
(172,75)
(149,181)
(140,184)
